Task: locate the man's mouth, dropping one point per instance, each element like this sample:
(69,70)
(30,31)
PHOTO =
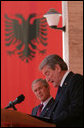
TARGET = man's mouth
(40,96)
(52,82)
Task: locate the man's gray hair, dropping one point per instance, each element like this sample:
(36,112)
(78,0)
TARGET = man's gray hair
(52,60)
(43,81)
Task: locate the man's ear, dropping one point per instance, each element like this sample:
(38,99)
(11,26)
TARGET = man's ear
(58,68)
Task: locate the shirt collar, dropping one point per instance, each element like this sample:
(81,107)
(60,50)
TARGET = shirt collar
(46,102)
(64,77)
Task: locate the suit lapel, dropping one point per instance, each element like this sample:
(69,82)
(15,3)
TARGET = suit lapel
(67,80)
(47,107)
(57,99)
(37,109)
(64,86)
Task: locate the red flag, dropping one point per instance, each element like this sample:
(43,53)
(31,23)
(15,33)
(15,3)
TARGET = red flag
(26,40)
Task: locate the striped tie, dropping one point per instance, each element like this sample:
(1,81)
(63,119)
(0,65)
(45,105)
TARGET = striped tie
(39,109)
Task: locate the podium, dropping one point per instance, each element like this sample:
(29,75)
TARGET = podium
(12,118)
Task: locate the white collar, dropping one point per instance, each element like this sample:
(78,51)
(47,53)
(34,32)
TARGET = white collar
(64,77)
(46,102)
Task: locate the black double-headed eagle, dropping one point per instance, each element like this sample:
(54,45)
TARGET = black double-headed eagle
(25,36)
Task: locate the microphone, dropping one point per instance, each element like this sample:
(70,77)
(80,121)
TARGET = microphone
(18,100)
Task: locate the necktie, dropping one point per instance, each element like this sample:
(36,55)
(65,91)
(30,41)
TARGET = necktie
(59,89)
(58,92)
(39,110)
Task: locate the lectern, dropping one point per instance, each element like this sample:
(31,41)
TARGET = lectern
(12,118)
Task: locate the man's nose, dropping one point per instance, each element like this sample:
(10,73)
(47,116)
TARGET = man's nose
(38,92)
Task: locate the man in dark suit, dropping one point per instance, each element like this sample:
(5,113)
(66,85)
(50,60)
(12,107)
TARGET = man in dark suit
(68,107)
(41,89)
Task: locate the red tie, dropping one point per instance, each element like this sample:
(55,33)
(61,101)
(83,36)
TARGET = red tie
(39,110)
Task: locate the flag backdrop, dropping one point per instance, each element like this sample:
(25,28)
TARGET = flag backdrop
(25,41)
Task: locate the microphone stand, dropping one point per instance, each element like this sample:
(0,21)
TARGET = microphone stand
(14,107)
(11,105)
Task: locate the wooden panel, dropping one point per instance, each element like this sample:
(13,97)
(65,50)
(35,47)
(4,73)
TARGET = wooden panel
(12,118)
(75,16)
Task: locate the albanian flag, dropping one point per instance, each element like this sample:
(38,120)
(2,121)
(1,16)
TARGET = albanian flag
(26,41)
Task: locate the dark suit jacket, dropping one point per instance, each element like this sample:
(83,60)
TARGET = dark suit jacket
(45,111)
(68,107)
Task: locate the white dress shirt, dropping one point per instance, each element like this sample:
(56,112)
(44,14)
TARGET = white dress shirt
(46,102)
(64,77)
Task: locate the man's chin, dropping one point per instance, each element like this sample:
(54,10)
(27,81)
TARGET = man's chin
(41,99)
(55,85)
